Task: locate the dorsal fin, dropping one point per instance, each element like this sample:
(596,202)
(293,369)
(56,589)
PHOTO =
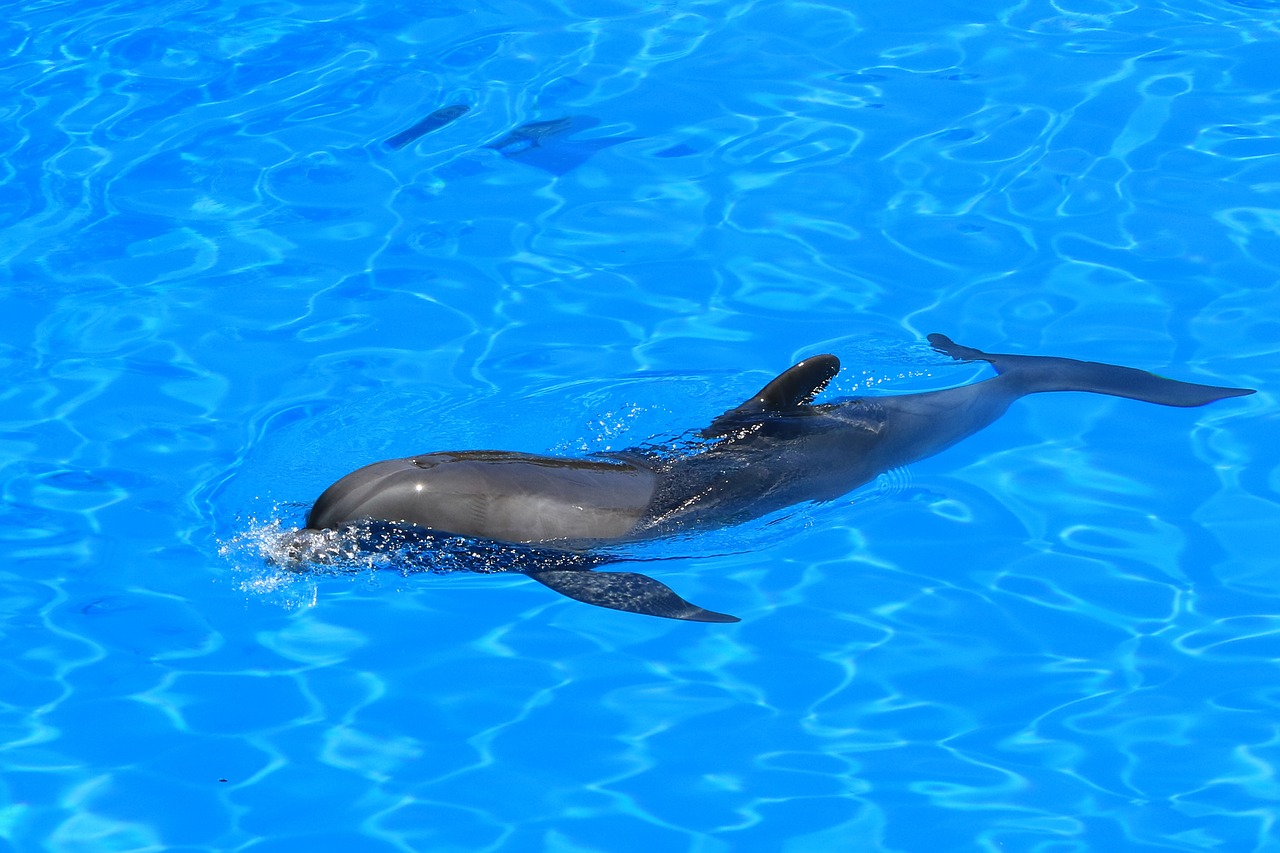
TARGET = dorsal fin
(794,387)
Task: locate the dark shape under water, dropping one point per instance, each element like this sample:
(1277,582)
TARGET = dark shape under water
(529,135)
(678,150)
(435,121)
(775,450)
(525,143)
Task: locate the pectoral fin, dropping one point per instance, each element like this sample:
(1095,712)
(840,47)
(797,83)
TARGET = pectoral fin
(634,593)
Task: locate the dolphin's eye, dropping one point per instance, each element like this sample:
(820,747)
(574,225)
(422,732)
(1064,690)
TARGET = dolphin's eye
(424,462)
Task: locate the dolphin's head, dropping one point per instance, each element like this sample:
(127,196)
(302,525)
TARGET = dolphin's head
(403,490)
(512,497)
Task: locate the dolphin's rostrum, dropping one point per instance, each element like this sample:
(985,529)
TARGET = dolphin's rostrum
(776,449)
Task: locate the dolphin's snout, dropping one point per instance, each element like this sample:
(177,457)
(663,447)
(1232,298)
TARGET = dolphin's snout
(308,546)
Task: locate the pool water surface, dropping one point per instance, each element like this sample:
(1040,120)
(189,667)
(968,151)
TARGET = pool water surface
(249,247)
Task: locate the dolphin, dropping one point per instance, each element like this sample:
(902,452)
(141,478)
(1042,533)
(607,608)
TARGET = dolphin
(435,121)
(776,449)
(525,143)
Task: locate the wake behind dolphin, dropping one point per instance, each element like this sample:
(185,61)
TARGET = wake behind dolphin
(775,450)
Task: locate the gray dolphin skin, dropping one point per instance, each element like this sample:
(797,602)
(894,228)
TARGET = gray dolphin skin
(775,450)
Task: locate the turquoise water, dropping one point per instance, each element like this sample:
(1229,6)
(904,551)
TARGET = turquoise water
(222,291)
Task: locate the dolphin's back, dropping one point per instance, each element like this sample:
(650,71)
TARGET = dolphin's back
(520,497)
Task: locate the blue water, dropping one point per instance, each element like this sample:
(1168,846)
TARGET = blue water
(221,291)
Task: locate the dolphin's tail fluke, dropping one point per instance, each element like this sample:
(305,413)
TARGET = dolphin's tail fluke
(1042,373)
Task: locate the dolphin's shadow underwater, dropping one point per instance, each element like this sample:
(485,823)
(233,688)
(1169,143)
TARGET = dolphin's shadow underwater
(543,515)
(525,142)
